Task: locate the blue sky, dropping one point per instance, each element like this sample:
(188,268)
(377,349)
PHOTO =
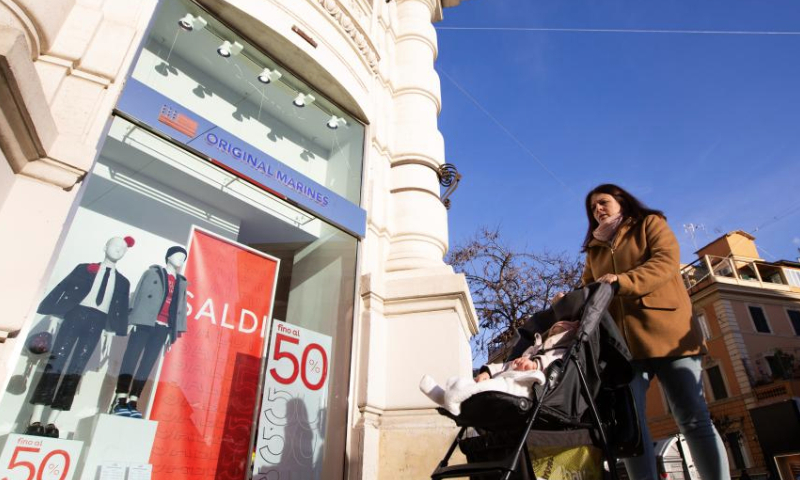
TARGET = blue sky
(704,127)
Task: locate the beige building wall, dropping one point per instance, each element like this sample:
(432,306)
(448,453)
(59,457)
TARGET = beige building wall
(62,67)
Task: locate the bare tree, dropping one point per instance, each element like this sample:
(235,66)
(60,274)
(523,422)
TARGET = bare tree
(509,286)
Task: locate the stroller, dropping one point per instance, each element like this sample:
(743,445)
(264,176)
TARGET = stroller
(585,399)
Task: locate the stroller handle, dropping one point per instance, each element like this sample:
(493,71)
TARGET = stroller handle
(598,298)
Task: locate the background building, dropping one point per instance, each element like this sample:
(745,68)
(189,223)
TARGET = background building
(749,311)
(357,224)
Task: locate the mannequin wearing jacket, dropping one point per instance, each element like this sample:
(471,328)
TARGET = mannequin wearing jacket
(93,301)
(158,317)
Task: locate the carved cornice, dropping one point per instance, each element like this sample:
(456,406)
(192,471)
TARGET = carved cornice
(15,17)
(354,30)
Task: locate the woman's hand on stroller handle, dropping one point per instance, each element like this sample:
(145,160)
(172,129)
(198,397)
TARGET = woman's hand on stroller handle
(608,278)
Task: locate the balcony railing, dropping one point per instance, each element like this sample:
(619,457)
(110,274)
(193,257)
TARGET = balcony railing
(736,270)
(777,390)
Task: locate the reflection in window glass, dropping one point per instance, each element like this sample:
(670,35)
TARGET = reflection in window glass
(186,67)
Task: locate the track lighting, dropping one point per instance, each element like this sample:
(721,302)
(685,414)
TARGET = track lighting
(228,49)
(189,22)
(268,75)
(336,122)
(302,100)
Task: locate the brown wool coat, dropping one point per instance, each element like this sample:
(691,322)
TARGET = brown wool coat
(651,308)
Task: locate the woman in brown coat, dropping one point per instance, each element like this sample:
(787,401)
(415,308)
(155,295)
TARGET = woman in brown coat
(631,247)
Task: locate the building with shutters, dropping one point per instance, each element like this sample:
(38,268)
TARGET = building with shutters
(749,312)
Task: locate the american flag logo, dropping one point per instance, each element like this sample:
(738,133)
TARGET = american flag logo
(180,122)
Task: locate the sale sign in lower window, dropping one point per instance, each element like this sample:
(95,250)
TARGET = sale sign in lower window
(26,457)
(291,428)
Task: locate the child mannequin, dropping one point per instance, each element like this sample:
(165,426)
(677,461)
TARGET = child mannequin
(515,377)
(158,318)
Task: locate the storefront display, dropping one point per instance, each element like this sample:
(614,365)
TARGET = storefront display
(220,215)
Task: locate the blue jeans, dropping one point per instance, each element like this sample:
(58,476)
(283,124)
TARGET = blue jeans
(682,383)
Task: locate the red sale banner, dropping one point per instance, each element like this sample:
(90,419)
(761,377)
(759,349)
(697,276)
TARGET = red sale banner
(208,388)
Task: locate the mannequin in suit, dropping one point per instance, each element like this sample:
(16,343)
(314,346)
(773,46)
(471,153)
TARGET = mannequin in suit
(93,301)
(158,317)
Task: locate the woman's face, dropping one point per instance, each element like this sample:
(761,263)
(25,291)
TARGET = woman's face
(604,206)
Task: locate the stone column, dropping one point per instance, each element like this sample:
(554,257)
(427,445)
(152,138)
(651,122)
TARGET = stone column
(417,315)
(419,220)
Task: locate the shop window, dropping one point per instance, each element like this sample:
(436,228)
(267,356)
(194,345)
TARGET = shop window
(717,383)
(759,319)
(794,318)
(198,319)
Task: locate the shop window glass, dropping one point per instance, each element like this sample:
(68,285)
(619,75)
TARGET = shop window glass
(185,67)
(173,278)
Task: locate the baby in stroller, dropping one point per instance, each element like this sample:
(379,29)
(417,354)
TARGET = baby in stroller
(515,377)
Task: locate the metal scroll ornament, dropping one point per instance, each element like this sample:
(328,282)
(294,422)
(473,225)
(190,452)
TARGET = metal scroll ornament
(449,179)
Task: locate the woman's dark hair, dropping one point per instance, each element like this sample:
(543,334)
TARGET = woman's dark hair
(632,208)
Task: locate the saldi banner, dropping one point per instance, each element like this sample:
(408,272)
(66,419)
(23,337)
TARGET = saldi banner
(209,383)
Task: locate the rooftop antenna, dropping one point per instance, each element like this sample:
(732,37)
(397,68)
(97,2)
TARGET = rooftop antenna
(691,229)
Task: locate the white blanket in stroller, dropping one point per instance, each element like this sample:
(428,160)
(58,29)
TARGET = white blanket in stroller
(504,379)
(458,389)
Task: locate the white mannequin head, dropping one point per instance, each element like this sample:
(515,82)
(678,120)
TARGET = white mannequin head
(117,247)
(176,260)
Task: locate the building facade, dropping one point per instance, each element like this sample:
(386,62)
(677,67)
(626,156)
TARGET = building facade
(749,312)
(224,217)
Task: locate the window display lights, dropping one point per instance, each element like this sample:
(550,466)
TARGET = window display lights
(228,49)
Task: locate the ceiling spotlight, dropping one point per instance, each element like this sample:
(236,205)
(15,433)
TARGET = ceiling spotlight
(268,75)
(336,122)
(228,49)
(302,100)
(190,22)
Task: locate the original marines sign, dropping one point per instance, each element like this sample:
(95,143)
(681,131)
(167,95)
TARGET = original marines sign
(239,157)
(257,162)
